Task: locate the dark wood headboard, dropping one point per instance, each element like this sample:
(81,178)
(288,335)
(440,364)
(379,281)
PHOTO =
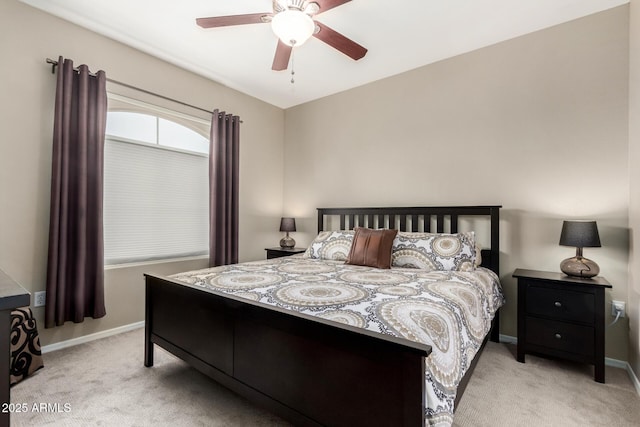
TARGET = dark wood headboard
(445,219)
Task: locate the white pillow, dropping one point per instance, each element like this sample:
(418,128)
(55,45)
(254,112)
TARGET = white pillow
(333,245)
(431,251)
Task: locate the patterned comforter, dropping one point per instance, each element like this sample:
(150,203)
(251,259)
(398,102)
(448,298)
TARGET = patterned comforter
(449,310)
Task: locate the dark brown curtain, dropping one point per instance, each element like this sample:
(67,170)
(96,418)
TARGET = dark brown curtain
(223,184)
(75,271)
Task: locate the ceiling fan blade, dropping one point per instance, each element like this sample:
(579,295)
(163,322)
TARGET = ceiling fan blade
(340,42)
(281,59)
(225,21)
(329,4)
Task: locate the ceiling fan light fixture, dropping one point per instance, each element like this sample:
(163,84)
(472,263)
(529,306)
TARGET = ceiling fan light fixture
(293,27)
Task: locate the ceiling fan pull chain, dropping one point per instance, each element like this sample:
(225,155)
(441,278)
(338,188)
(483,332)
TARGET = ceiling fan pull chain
(293,45)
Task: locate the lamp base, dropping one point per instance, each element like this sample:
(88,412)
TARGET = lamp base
(578,266)
(287,242)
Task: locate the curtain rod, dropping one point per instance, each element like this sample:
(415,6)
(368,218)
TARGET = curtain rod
(54,64)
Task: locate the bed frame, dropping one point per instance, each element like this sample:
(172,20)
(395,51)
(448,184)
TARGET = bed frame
(309,370)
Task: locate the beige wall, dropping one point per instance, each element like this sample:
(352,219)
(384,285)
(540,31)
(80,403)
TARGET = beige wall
(537,124)
(27,37)
(634,183)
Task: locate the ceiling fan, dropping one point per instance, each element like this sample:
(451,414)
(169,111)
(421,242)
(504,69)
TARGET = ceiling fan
(292,21)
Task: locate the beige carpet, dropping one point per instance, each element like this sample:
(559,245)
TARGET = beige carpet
(544,392)
(105,383)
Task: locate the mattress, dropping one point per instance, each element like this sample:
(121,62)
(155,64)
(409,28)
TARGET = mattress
(449,310)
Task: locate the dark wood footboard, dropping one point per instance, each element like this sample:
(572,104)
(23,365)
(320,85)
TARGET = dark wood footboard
(306,369)
(309,370)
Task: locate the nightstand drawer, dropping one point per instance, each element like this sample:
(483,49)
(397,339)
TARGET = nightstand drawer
(567,337)
(561,304)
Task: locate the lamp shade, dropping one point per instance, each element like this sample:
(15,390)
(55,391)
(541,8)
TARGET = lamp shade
(287,224)
(580,234)
(293,27)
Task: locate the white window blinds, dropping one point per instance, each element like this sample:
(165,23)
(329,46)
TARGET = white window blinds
(155,199)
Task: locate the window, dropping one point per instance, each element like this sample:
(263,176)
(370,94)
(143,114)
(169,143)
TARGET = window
(156,182)
(150,129)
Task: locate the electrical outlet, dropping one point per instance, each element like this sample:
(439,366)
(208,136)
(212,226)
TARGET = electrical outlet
(618,306)
(39,298)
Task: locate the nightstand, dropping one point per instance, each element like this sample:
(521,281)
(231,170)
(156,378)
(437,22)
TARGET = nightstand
(280,252)
(561,316)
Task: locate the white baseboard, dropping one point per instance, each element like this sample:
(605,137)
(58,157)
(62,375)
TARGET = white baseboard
(616,363)
(634,378)
(508,339)
(627,367)
(88,338)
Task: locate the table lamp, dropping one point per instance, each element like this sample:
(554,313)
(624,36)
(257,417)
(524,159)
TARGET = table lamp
(287,225)
(580,234)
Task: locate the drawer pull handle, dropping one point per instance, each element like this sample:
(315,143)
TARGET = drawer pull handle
(558,304)
(558,336)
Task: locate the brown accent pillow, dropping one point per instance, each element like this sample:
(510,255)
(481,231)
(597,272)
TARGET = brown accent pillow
(371,248)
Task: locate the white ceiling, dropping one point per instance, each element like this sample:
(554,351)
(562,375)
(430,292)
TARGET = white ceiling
(400,34)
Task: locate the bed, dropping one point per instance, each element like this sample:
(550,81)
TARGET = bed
(341,356)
